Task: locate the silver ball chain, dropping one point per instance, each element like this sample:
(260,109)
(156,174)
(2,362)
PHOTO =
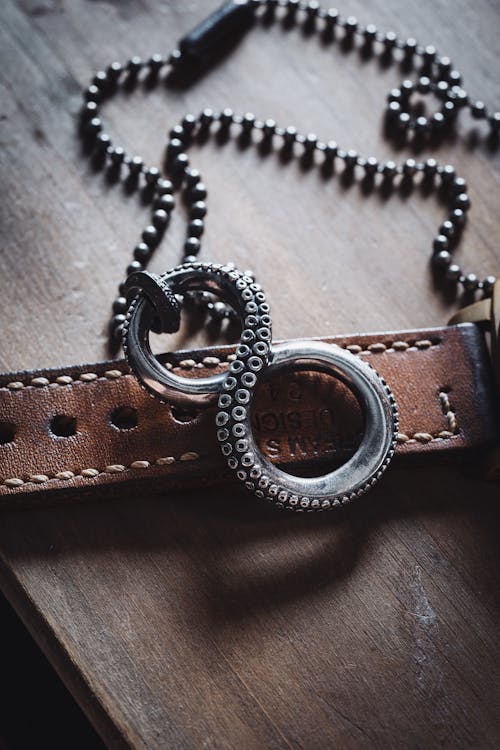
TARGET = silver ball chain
(436,75)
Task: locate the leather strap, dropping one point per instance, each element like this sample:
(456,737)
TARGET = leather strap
(67,430)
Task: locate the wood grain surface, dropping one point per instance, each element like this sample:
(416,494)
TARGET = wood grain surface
(205,620)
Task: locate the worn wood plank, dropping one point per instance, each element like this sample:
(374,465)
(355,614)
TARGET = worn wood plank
(208,621)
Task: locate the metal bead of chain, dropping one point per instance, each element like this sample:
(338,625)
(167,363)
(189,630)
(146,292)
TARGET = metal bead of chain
(436,76)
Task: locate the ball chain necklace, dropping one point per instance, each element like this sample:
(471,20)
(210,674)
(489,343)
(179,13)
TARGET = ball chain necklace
(149,301)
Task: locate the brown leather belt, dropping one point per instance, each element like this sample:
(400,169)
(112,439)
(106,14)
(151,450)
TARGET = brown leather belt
(66,430)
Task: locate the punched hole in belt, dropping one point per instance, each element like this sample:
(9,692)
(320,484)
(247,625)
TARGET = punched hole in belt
(124,418)
(183,415)
(63,425)
(7,432)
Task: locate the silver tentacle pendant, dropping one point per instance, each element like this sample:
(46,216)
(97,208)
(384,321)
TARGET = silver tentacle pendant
(155,303)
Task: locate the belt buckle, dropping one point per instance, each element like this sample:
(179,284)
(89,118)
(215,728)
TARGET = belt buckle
(486,314)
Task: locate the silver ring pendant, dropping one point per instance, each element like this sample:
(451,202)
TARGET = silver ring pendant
(233,287)
(340,486)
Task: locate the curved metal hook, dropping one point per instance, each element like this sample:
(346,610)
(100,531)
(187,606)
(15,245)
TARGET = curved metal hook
(159,294)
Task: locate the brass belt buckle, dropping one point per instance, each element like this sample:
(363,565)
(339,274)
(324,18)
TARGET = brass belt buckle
(486,314)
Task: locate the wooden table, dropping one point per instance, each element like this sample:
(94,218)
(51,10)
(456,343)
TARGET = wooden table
(205,620)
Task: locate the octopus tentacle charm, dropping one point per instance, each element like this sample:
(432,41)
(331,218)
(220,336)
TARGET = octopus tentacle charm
(235,288)
(255,360)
